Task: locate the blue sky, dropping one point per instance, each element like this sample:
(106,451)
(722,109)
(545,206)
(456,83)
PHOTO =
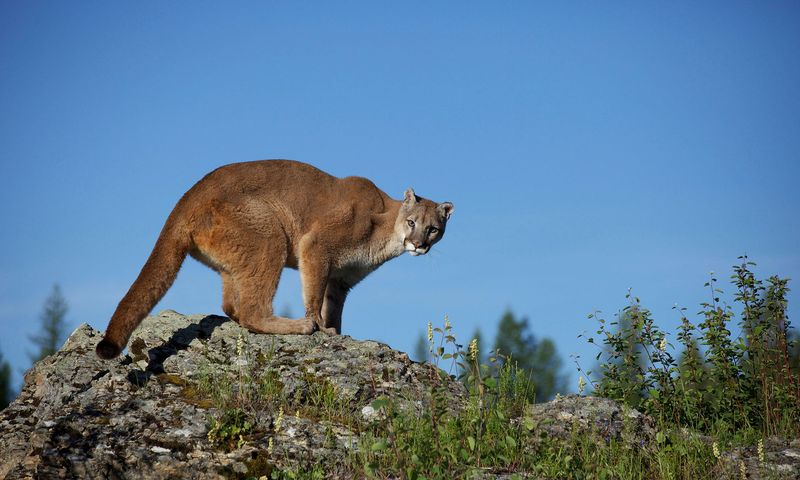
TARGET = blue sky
(588,148)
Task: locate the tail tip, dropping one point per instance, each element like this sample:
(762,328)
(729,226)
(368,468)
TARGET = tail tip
(107,349)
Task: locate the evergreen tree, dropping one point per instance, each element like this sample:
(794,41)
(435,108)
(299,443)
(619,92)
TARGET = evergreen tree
(421,349)
(53,330)
(547,375)
(539,360)
(6,394)
(514,338)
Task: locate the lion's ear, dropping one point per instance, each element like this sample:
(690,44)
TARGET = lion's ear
(410,197)
(445,209)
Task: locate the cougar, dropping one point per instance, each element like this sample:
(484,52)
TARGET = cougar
(249,220)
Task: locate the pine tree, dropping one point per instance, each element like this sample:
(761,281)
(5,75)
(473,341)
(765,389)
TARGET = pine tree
(6,394)
(514,338)
(53,330)
(539,360)
(421,349)
(546,371)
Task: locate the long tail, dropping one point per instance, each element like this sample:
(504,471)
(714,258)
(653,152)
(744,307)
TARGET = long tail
(150,286)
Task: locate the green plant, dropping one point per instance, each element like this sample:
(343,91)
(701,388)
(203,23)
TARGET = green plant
(491,433)
(730,386)
(236,397)
(230,429)
(738,389)
(446,440)
(321,399)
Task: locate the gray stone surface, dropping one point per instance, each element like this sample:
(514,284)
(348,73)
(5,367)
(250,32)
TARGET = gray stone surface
(781,459)
(147,415)
(138,416)
(573,414)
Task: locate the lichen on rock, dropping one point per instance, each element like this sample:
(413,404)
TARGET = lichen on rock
(200,397)
(145,414)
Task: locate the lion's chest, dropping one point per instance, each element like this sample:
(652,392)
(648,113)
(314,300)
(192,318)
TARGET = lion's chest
(356,263)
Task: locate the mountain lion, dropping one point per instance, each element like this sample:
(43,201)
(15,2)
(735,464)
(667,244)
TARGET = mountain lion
(248,221)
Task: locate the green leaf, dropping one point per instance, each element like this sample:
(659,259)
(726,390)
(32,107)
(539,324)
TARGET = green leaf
(529,423)
(510,442)
(660,437)
(378,446)
(471,442)
(379,403)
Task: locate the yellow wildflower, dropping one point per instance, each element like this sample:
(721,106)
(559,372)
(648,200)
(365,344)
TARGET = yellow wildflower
(279,420)
(473,349)
(240,345)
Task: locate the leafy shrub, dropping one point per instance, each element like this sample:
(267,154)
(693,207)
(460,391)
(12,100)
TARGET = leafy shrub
(722,383)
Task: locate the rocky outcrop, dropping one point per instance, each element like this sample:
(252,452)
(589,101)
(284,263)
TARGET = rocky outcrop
(567,416)
(200,397)
(146,415)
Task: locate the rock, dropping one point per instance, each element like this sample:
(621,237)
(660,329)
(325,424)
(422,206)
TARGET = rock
(143,416)
(369,413)
(572,414)
(781,459)
(200,397)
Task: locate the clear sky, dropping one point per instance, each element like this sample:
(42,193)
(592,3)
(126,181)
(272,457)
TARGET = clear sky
(587,148)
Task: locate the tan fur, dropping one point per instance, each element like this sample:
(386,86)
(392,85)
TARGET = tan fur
(249,220)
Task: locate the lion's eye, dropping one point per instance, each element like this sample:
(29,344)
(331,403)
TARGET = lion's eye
(432,230)
(411,223)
